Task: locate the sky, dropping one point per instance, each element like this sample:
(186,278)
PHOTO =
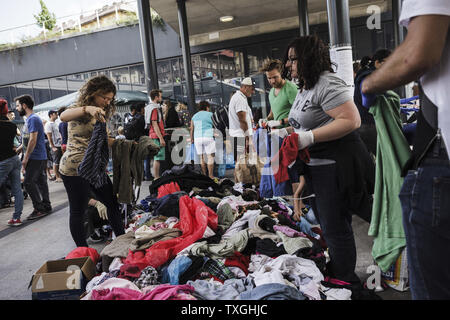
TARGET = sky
(20,13)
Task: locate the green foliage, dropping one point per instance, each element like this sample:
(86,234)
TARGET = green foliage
(45,17)
(157,21)
(126,19)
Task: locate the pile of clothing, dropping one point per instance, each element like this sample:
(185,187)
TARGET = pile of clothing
(214,241)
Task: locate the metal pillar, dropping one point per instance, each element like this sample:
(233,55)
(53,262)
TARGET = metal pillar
(340,39)
(303,17)
(148,45)
(184,35)
(339,23)
(398,30)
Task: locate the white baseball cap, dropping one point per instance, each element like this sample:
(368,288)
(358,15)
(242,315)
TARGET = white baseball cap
(247,82)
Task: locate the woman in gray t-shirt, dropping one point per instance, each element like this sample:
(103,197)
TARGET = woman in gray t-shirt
(325,117)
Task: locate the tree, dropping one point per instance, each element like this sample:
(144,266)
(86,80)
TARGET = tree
(45,17)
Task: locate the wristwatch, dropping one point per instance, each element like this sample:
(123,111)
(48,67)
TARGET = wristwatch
(282,122)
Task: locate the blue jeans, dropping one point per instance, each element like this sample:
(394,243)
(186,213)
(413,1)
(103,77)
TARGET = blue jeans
(305,227)
(11,168)
(425,199)
(311,217)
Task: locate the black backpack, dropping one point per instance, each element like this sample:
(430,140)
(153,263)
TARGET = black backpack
(220,120)
(134,128)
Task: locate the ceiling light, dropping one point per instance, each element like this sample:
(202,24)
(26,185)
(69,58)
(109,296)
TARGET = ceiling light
(226,18)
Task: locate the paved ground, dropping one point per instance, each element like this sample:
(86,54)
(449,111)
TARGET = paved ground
(24,249)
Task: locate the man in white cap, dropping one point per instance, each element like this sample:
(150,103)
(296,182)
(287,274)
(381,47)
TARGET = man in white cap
(241,118)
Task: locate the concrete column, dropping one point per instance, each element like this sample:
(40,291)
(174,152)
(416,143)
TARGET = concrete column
(148,45)
(185,47)
(303,17)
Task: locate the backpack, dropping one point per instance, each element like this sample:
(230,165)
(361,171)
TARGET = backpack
(133,129)
(220,120)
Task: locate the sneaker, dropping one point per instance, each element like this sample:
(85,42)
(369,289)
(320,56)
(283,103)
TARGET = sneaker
(46,208)
(36,215)
(96,237)
(14,222)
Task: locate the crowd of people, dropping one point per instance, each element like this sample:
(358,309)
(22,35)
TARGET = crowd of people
(326,138)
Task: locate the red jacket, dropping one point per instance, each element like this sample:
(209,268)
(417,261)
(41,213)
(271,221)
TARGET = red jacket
(195,216)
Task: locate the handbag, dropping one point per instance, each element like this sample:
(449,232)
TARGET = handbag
(248,169)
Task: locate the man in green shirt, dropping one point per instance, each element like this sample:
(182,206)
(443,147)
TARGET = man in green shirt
(281,96)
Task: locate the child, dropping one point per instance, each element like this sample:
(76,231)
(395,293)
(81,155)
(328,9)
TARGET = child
(120,132)
(303,216)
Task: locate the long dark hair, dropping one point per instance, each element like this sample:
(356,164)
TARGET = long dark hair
(313,58)
(97,85)
(379,56)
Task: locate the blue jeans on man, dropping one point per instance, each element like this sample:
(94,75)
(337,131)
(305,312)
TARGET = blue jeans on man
(35,183)
(10,168)
(425,199)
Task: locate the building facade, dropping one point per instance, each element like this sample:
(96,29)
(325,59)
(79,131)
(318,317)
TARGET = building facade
(51,70)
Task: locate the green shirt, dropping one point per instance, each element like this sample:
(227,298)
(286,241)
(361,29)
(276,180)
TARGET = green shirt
(393,152)
(281,104)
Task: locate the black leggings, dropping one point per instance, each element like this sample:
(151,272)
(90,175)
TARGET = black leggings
(77,190)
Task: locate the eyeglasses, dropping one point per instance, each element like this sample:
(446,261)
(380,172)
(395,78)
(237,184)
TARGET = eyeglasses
(291,60)
(106,98)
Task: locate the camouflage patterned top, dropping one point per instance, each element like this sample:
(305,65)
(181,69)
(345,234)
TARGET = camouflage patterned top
(79,134)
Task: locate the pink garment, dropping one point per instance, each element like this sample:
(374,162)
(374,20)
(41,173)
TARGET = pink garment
(289,231)
(158,225)
(116,294)
(161,292)
(336,281)
(168,292)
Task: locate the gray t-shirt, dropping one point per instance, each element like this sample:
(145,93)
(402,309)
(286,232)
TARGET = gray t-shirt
(308,109)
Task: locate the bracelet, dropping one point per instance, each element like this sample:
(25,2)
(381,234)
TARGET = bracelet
(84,110)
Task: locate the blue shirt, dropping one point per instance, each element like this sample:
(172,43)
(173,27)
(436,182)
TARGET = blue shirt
(203,125)
(34,124)
(63,131)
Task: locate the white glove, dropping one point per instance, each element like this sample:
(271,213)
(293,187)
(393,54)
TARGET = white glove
(305,139)
(282,133)
(274,123)
(102,211)
(261,122)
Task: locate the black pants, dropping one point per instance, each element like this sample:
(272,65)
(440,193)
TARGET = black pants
(35,183)
(77,190)
(335,220)
(368,133)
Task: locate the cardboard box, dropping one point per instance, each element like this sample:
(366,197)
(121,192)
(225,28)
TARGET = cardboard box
(62,279)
